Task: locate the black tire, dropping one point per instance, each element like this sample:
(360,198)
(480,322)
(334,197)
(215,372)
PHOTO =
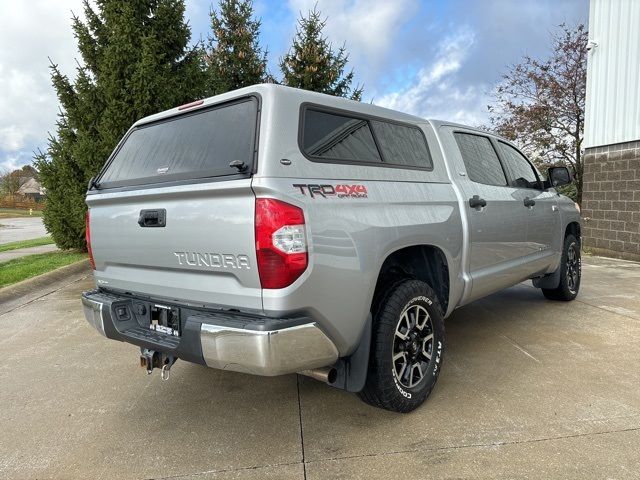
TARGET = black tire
(570,272)
(384,387)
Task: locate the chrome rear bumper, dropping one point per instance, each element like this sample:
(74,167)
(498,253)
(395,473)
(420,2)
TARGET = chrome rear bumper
(273,352)
(93,313)
(216,338)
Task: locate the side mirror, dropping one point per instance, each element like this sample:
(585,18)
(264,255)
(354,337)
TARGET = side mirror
(558,176)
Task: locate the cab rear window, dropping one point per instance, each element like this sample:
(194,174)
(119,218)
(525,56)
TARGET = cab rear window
(189,146)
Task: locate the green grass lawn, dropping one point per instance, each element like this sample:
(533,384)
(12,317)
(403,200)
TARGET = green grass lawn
(22,268)
(34,242)
(18,212)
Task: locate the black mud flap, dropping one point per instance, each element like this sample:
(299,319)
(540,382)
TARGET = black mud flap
(352,370)
(550,281)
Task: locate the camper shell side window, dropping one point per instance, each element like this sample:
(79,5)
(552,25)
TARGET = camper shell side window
(338,136)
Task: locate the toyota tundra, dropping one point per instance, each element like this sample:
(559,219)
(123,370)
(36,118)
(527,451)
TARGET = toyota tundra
(272,230)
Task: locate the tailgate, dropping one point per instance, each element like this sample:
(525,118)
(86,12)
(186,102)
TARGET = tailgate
(204,253)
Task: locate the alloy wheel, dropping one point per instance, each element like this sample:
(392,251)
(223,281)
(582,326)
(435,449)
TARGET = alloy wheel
(573,268)
(412,346)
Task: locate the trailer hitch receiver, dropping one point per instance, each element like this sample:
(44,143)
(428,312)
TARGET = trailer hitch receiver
(150,359)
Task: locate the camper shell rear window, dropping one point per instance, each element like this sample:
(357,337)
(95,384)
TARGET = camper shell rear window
(194,145)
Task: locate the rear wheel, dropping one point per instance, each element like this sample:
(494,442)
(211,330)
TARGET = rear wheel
(570,272)
(407,348)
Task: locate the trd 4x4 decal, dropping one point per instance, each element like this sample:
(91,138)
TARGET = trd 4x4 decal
(339,191)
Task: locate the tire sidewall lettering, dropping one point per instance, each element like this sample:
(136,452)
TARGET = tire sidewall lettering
(436,365)
(399,387)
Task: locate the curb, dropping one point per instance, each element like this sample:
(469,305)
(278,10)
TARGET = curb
(31,285)
(613,255)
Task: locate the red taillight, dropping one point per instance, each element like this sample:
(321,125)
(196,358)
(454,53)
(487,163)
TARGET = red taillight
(281,242)
(87,235)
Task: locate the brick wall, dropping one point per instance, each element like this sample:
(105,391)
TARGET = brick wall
(611,200)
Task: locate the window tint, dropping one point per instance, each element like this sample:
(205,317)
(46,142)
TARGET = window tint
(402,145)
(521,173)
(188,146)
(331,136)
(480,159)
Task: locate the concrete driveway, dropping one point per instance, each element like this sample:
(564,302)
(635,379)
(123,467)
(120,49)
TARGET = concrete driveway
(529,389)
(21,228)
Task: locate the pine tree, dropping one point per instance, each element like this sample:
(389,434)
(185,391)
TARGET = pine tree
(234,57)
(312,64)
(136,60)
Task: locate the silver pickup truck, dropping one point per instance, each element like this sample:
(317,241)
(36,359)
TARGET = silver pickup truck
(271,230)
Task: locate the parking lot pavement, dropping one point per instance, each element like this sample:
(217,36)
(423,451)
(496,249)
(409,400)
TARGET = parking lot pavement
(22,228)
(529,389)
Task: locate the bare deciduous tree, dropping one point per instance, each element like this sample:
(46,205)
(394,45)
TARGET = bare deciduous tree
(11,181)
(539,104)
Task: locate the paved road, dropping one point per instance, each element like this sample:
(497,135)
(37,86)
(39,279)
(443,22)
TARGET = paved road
(22,228)
(23,252)
(529,389)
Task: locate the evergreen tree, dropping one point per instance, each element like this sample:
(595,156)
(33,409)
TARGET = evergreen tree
(136,61)
(312,64)
(234,57)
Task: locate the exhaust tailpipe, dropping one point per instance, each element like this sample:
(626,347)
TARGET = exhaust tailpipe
(324,374)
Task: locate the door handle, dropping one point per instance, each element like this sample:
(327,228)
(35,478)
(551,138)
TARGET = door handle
(529,202)
(477,202)
(153,218)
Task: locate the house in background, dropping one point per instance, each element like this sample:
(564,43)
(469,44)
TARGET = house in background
(611,194)
(32,189)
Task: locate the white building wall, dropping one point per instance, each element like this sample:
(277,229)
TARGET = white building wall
(613,73)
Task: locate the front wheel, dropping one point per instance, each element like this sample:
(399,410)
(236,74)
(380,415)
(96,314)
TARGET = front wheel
(570,272)
(407,348)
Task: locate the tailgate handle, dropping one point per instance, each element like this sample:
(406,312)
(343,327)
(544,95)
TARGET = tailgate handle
(153,218)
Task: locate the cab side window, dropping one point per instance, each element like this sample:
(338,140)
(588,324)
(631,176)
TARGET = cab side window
(480,159)
(521,172)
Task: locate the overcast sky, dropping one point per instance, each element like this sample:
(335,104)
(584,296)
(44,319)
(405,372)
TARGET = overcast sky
(433,58)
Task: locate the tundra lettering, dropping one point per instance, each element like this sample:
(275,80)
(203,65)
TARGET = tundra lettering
(213,260)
